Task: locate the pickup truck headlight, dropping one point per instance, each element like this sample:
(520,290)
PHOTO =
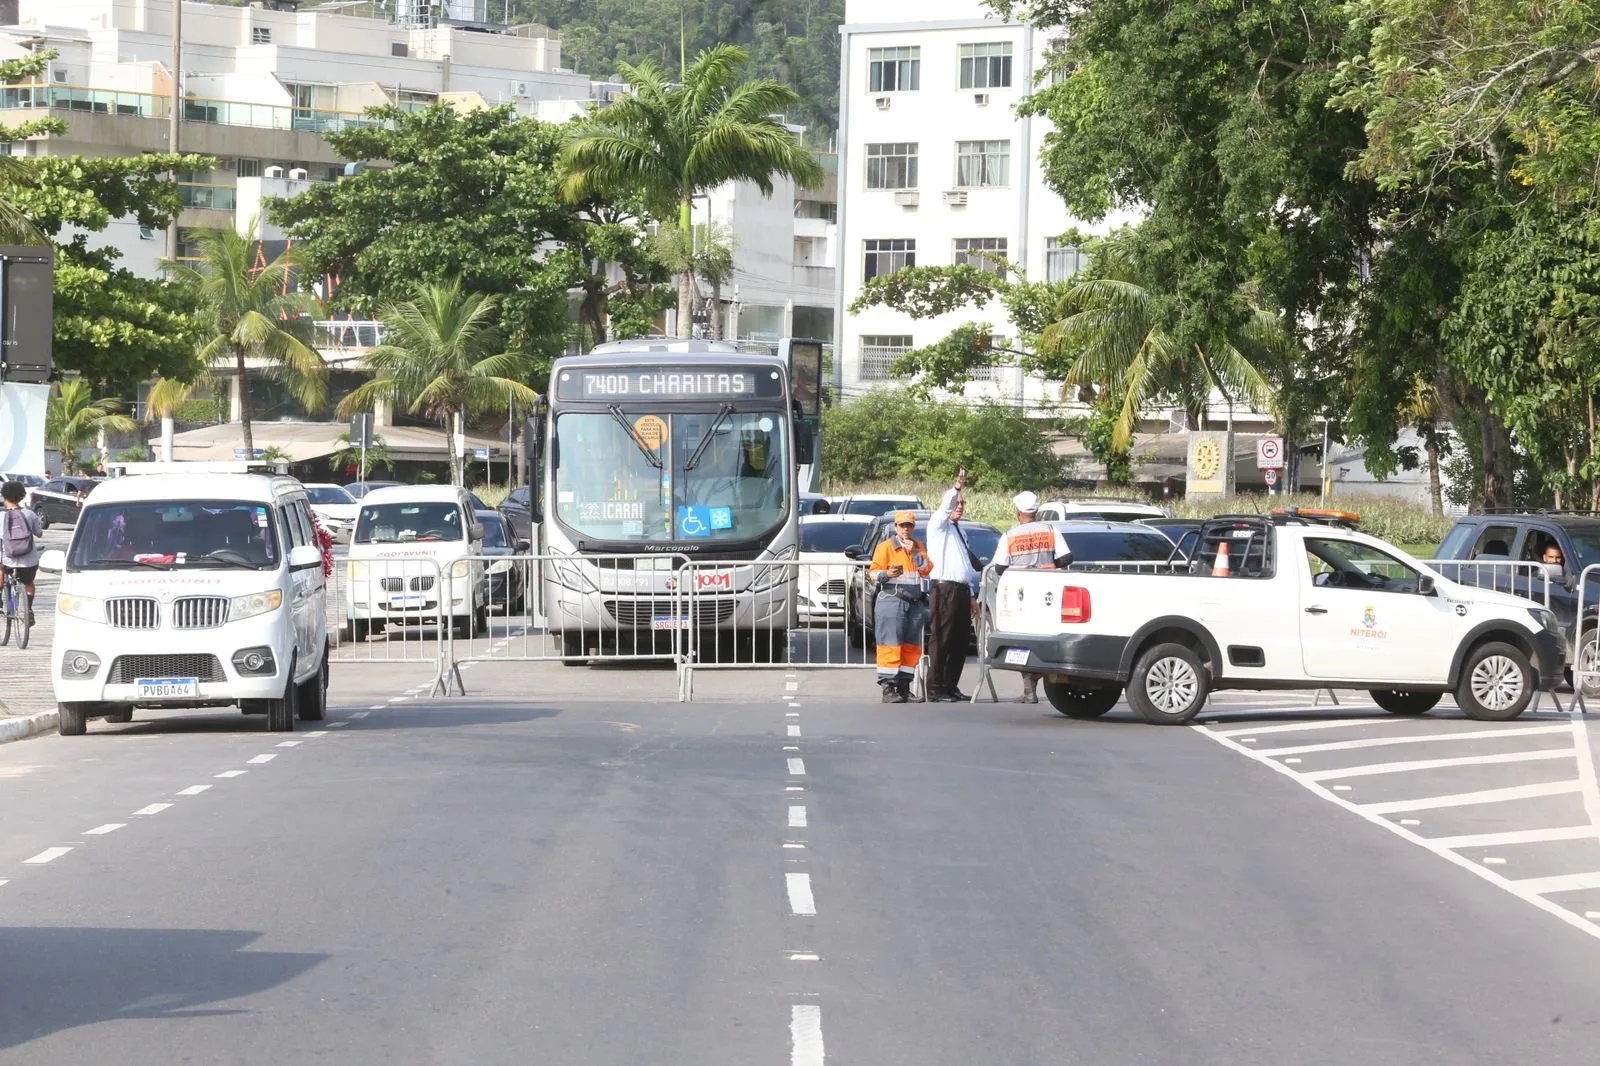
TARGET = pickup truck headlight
(254,604)
(88,608)
(1548,620)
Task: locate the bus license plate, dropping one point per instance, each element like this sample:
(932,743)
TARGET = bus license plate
(668,622)
(1016,656)
(166,688)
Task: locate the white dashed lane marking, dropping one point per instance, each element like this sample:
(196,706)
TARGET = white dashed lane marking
(794,731)
(1468,799)
(290,743)
(260,758)
(233,773)
(801,902)
(102,830)
(154,808)
(797,818)
(805,1035)
(47,855)
(797,767)
(193,790)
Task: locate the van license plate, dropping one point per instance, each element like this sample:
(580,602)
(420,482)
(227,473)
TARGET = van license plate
(668,622)
(166,688)
(406,600)
(1016,656)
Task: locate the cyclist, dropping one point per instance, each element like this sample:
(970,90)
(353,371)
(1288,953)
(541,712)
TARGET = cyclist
(19,540)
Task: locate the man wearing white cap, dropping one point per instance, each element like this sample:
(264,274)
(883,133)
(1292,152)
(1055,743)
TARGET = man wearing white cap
(1037,546)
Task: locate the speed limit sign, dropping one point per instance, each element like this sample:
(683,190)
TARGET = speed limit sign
(1271,474)
(1269,453)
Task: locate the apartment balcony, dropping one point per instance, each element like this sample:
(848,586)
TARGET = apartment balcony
(198,110)
(813,278)
(206,197)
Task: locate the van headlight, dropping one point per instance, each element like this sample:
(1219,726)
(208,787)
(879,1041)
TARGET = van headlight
(461,568)
(88,608)
(254,604)
(358,570)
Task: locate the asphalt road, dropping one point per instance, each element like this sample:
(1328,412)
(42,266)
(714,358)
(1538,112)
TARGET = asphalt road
(565,866)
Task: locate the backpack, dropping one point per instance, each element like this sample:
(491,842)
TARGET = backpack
(16,537)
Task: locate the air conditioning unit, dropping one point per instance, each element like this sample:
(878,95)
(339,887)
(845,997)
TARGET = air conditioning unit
(883,103)
(228,163)
(519,88)
(60,74)
(272,172)
(956,197)
(981,99)
(298,174)
(907,198)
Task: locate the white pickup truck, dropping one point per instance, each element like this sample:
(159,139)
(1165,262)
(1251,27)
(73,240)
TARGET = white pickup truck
(1295,599)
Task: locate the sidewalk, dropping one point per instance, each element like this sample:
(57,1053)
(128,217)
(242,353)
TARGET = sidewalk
(27,699)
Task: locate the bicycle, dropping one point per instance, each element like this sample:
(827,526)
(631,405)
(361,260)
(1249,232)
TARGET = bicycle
(15,603)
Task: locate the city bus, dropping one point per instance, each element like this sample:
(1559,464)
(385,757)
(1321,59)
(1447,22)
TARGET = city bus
(650,453)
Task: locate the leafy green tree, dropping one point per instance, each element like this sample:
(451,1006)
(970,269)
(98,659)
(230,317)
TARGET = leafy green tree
(75,416)
(255,314)
(890,433)
(703,254)
(350,455)
(442,357)
(459,195)
(667,143)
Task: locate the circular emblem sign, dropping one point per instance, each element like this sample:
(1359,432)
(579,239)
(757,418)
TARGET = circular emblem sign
(1207,458)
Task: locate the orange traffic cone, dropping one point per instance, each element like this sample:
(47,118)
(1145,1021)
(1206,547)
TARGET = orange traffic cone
(1220,567)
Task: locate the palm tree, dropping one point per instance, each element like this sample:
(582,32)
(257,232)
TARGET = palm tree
(706,253)
(668,143)
(253,313)
(441,357)
(75,416)
(1110,329)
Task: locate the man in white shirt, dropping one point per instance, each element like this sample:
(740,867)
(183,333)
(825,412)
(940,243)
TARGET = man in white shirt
(955,571)
(1037,546)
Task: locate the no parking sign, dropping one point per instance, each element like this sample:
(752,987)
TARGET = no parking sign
(1269,454)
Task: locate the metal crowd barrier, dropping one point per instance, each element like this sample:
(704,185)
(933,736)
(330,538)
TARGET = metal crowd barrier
(1497,575)
(1586,639)
(388,611)
(627,608)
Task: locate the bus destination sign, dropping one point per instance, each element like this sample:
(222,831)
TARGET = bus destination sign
(669,383)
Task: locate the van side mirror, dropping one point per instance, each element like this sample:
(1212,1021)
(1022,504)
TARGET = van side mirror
(304,557)
(53,561)
(524,545)
(853,552)
(475,531)
(1425,586)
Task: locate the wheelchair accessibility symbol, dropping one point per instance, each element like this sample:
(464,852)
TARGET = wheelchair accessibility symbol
(694,521)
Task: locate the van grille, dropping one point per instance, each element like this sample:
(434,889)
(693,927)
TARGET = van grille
(398,584)
(133,612)
(643,612)
(129,668)
(199,612)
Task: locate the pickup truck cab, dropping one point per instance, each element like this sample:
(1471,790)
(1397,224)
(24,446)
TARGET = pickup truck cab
(1290,600)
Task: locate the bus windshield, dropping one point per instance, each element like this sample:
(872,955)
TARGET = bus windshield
(621,476)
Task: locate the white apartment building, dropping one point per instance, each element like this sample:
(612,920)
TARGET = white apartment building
(936,168)
(260,85)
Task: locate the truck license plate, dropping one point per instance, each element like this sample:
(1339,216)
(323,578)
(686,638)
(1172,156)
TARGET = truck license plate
(1016,656)
(166,688)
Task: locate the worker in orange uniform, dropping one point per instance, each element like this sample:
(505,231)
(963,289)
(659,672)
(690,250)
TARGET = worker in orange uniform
(900,612)
(1035,545)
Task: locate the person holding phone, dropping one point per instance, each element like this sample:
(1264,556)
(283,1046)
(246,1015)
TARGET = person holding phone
(900,610)
(955,573)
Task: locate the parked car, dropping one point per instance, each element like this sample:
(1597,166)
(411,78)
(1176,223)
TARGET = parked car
(29,482)
(1061,510)
(334,507)
(814,503)
(876,505)
(1515,543)
(825,568)
(359,489)
(858,599)
(517,513)
(60,500)
(505,581)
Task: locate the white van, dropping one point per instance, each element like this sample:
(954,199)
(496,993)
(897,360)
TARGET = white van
(191,590)
(411,561)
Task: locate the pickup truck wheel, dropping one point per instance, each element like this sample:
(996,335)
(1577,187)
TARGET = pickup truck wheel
(1168,685)
(1589,660)
(1496,683)
(74,719)
(1396,702)
(1076,702)
(855,630)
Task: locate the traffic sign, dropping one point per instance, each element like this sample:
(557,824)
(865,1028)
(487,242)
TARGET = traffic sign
(1269,453)
(1271,474)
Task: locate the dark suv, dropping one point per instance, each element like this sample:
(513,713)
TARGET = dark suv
(1521,539)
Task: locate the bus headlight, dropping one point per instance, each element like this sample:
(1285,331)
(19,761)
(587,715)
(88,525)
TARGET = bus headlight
(254,604)
(770,576)
(88,608)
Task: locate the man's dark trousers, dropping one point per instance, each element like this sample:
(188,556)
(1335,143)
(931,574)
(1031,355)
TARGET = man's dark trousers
(950,623)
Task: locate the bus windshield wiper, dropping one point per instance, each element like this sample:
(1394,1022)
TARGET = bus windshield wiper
(705,441)
(644,449)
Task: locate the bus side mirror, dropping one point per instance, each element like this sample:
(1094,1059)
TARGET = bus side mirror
(805,442)
(533,434)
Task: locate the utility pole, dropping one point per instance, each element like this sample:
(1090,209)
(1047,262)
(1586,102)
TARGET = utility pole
(175,118)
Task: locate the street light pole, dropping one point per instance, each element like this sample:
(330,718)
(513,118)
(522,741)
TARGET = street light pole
(174,118)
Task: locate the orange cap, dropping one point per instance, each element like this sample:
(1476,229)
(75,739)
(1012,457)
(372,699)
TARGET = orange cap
(904,518)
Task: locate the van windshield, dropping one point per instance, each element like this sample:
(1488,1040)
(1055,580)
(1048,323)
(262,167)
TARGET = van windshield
(190,533)
(394,523)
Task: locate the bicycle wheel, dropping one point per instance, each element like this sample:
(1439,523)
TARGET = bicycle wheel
(7,605)
(19,617)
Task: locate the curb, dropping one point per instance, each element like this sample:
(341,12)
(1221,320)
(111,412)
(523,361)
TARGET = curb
(28,725)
